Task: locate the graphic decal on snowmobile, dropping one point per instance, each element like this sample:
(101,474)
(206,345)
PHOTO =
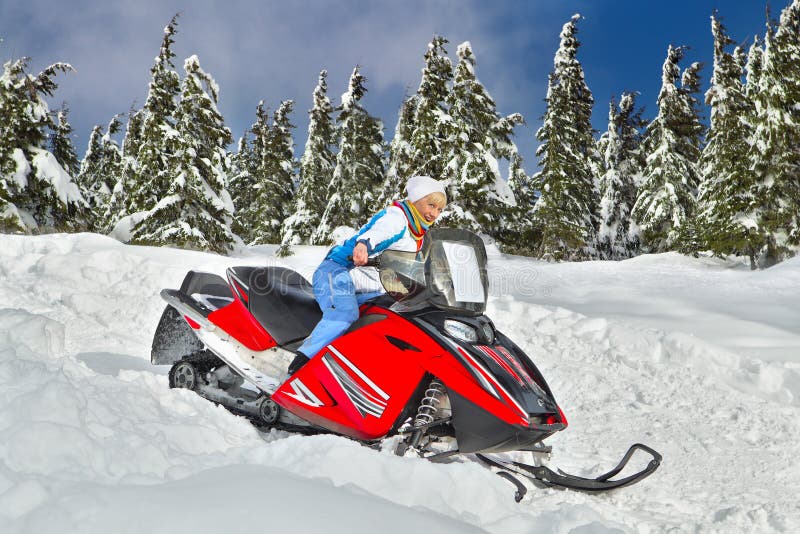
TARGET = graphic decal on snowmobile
(240,287)
(365,401)
(509,363)
(501,362)
(488,382)
(301,393)
(493,385)
(472,365)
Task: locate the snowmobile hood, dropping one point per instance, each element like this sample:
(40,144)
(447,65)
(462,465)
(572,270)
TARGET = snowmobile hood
(502,369)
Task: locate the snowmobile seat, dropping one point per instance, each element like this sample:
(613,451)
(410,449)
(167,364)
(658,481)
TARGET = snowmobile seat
(282,301)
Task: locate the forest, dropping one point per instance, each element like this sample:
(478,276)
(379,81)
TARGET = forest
(171,173)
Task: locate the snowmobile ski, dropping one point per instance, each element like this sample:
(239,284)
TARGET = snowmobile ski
(562,480)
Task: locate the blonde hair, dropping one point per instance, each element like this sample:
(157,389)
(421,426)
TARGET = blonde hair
(439,198)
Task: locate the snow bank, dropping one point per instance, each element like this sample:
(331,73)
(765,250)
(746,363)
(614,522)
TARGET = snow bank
(93,440)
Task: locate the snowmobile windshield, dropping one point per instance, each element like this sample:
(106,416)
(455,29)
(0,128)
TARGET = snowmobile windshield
(449,272)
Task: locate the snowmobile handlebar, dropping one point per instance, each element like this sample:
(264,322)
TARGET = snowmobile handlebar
(371,262)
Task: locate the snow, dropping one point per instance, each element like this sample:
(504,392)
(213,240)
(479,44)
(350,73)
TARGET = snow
(123,229)
(22,168)
(696,357)
(49,170)
(501,188)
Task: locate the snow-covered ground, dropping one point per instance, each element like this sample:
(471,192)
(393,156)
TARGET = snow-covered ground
(698,358)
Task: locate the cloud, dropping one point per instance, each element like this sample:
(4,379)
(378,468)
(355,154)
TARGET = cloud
(272,50)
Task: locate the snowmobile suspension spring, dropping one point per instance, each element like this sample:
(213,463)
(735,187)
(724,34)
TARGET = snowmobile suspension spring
(430,403)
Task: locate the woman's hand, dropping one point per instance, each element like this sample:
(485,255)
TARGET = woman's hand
(360,255)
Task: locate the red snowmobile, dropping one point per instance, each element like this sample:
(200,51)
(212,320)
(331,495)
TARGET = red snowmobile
(422,366)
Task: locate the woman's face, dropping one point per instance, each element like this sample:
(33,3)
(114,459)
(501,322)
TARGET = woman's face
(429,207)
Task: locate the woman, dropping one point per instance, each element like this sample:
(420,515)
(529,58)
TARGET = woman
(401,226)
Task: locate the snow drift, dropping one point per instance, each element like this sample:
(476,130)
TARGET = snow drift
(699,358)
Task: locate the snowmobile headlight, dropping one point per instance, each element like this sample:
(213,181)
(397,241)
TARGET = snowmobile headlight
(461,331)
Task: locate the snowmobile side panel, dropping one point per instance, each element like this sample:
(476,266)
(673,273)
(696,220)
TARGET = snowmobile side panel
(239,323)
(368,378)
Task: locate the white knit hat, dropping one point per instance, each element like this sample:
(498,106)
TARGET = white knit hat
(419,187)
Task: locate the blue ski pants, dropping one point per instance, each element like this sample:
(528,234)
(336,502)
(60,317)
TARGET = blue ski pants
(339,302)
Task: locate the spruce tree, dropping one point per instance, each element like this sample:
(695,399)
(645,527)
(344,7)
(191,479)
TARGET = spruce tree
(249,179)
(565,211)
(431,128)
(520,235)
(100,168)
(133,133)
(725,199)
(197,210)
(666,197)
(480,198)
(400,154)
(159,140)
(316,172)
(240,174)
(61,145)
(359,172)
(116,205)
(776,158)
(36,193)
(622,164)
(274,197)
(690,235)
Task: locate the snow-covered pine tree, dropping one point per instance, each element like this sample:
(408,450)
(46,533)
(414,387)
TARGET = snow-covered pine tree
(776,157)
(690,234)
(274,197)
(116,204)
(133,133)
(520,235)
(480,198)
(316,172)
(240,174)
(359,172)
(612,209)
(725,198)
(622,165)
(666,198)
(36,193)
(566,210)
(90,164)
(752,77)
(197,210)
(431,130)
(99,171)
(159,139)
(400,154)
(247,182)
(61,144)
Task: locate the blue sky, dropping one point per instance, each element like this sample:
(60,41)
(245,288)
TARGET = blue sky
(274,49)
